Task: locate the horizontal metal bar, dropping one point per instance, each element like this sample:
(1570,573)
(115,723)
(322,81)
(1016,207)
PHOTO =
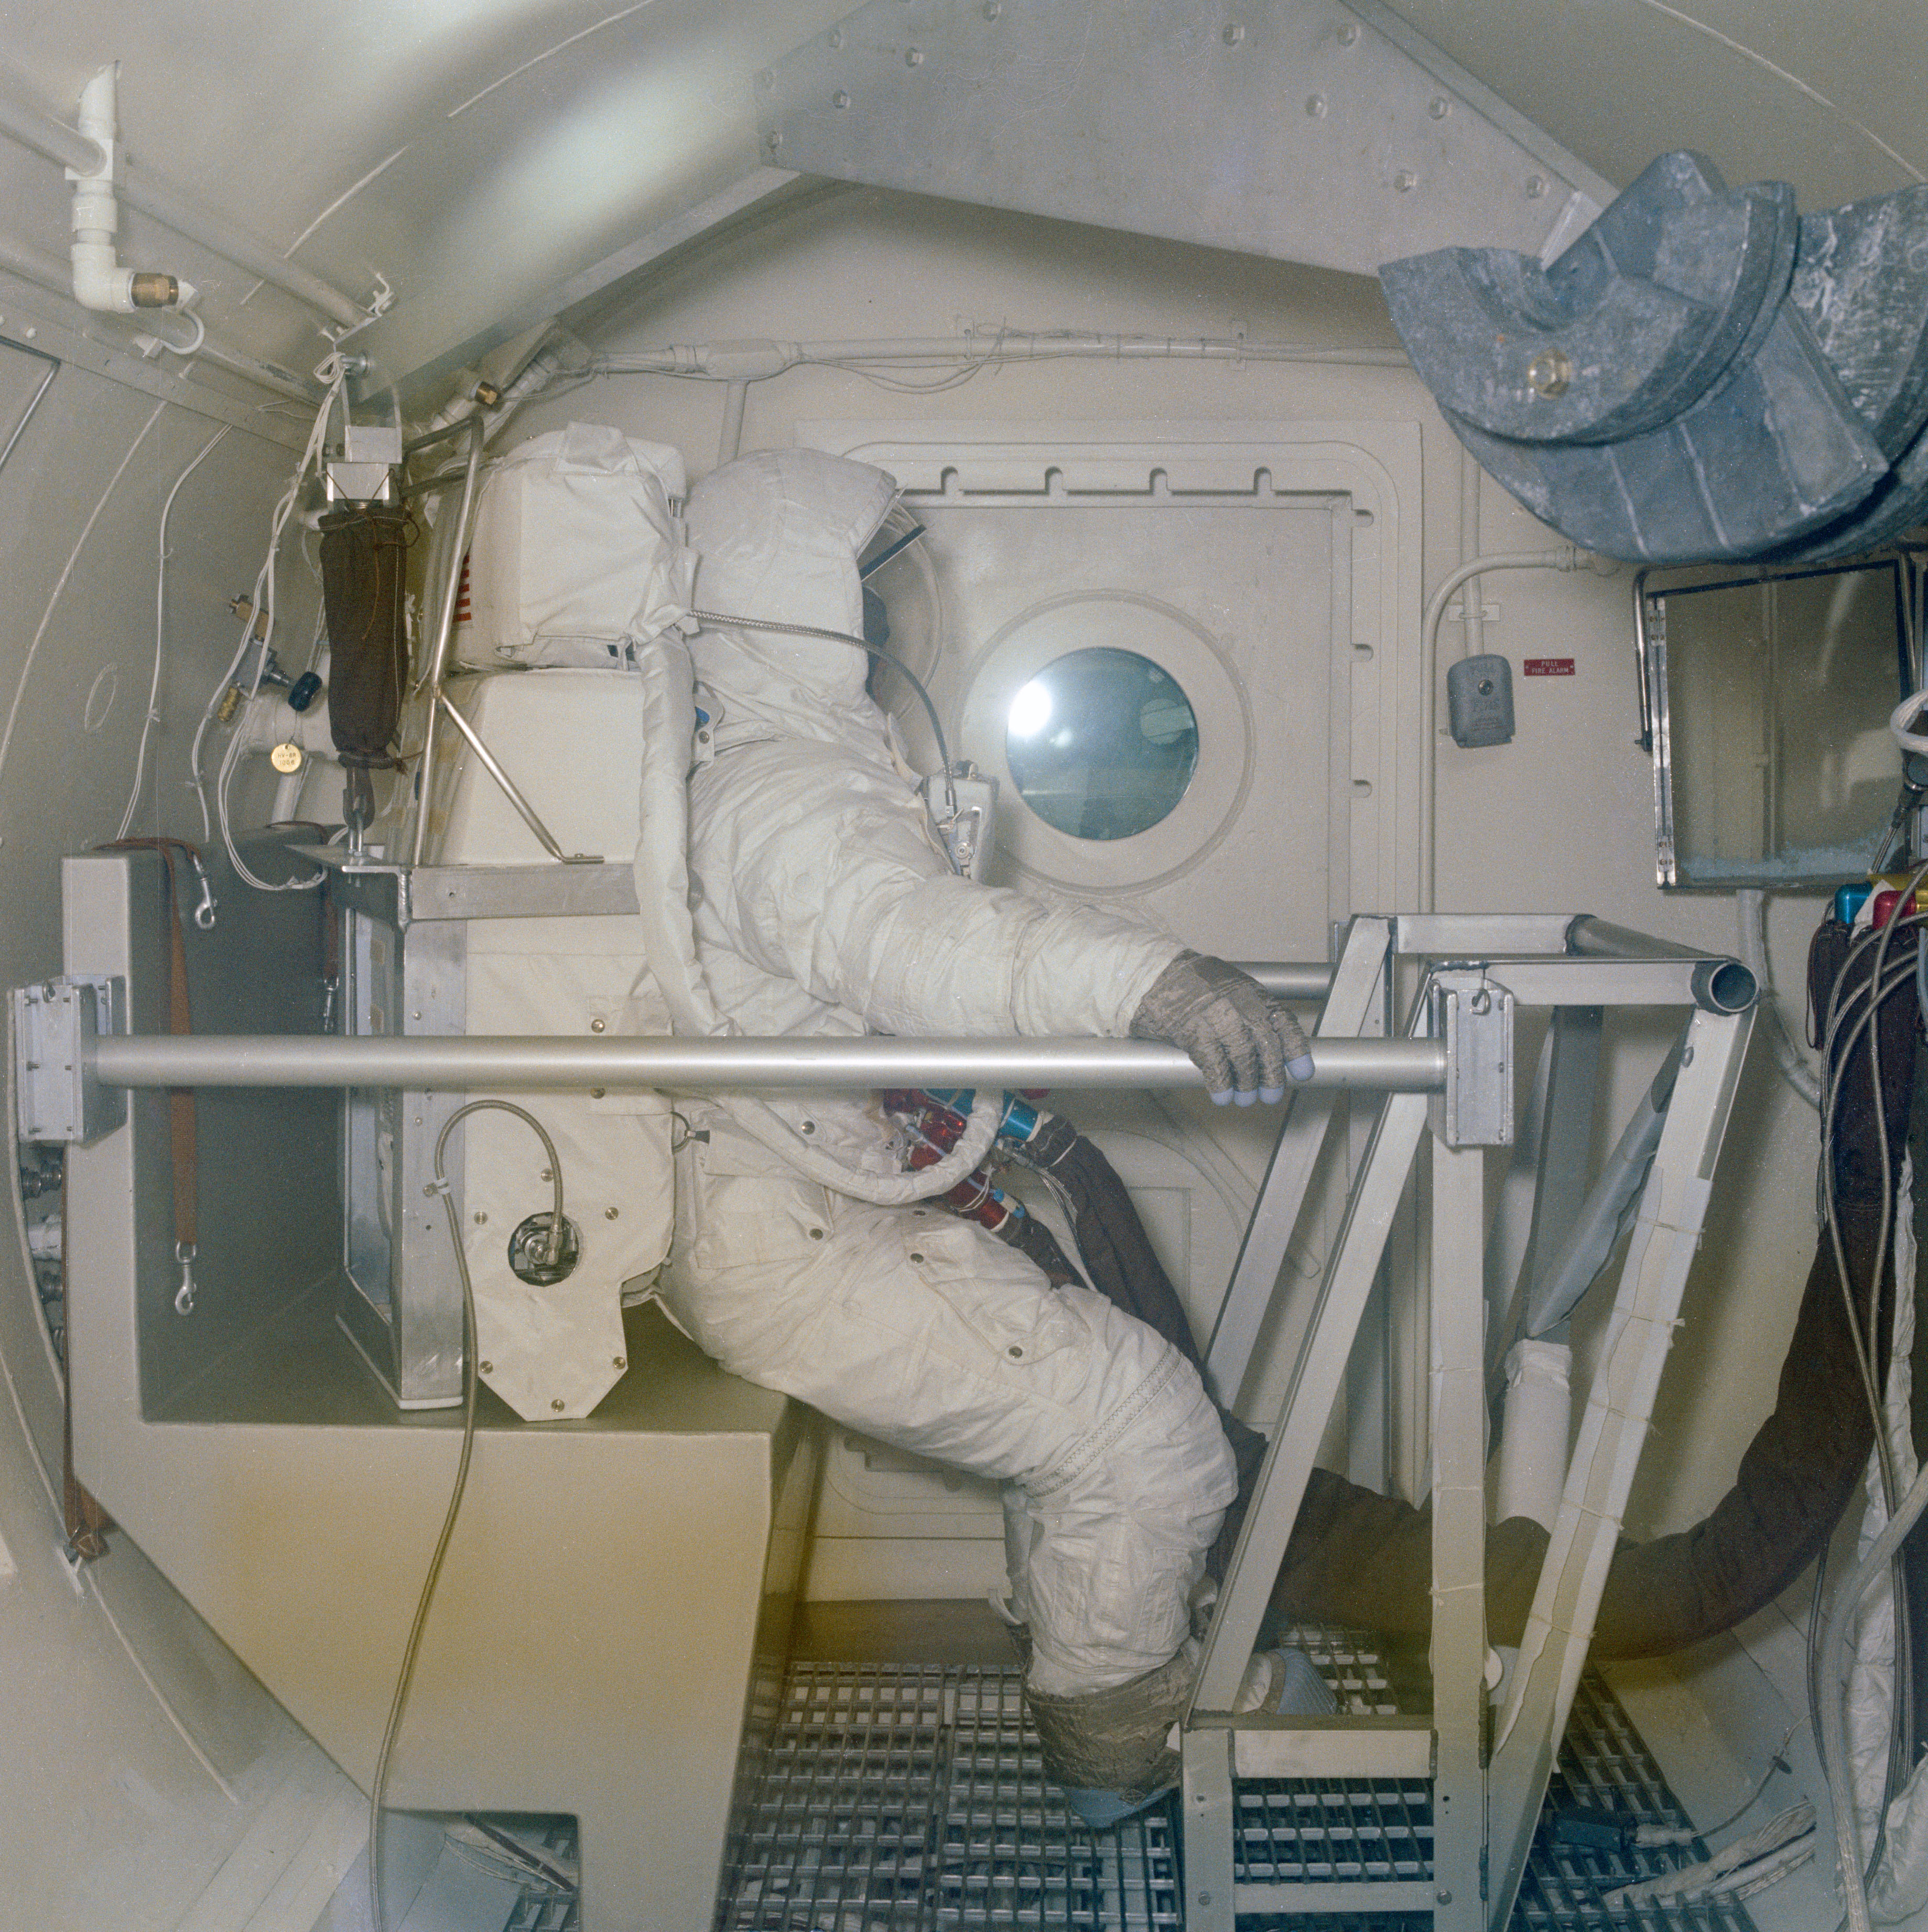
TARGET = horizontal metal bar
(405,895)
(1305,981)
(1335,1895)
(1597,982)
(430,437)
(440,480)
(1721,984)
(451,1063)
(1397,1748)
(1715,983)
(1480,935)
(1591,938)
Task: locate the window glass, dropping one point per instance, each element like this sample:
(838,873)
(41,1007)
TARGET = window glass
(1102,743)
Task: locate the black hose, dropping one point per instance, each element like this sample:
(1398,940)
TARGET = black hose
(1358,1558)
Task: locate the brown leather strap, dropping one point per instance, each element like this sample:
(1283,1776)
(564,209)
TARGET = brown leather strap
(181,1117)
(85,1522)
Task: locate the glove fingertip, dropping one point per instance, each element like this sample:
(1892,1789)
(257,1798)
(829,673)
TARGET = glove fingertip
(1244,1096)
(1300,1069)
(1270,1097)
(1224,1099)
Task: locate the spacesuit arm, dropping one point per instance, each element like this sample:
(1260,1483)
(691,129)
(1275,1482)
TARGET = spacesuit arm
(819,868)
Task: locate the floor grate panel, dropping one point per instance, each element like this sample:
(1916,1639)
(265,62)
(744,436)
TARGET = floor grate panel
(910,1798)
(889,1798)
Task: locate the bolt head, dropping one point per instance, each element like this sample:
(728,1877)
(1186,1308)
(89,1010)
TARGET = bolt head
(1233,34)
(839,99)
(1348,35)
(1315,106)
(913,57)
(1550,373)
(555,1402)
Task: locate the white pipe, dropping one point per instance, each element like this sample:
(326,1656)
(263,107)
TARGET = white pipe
(751,361)
(1750,916)
(183,334)
(100,281)
(153,195)
(1531,1477)
(1567,557)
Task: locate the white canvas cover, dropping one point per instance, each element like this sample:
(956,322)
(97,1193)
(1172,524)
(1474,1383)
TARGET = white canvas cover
(576,549)
(552,1353)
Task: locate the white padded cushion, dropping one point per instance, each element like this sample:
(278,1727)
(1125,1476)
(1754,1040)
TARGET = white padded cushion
(575,550)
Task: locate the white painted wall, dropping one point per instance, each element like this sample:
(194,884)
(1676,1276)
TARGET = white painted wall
(139,1754)
(1560,819)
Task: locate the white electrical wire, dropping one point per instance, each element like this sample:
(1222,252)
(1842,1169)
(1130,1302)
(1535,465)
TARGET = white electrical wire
(160,634)
(1834,1721)
(412,1650)
(1750,919)
(261,611)
(1846,1021)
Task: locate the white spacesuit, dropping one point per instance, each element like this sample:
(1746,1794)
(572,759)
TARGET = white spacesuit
(823,905)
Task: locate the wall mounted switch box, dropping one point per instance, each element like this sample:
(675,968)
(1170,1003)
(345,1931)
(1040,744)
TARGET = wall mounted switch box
(1479,701)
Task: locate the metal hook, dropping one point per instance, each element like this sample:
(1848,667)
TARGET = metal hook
(184,1296)
(204,913)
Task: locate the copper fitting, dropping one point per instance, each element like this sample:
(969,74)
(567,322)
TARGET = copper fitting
(155,291)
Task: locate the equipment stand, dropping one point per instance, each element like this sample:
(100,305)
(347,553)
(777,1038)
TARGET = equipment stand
(1487,1765)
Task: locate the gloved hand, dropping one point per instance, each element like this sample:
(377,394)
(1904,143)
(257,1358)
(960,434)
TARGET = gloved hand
(1246,1043)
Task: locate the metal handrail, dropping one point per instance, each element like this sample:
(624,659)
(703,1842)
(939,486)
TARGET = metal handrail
(455,1063)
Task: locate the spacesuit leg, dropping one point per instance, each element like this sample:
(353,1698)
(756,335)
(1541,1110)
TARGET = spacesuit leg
(929,1334)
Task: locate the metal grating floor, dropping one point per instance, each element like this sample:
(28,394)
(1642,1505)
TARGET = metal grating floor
(891,1797)
(908,1798)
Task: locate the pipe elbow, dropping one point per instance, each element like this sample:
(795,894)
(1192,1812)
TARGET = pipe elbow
(99,282)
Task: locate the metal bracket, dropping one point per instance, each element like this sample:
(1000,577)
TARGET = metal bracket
(1474,1014)
(54,1020)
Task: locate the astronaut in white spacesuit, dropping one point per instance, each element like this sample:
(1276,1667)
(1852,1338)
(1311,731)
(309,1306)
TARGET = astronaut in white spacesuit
(823,905)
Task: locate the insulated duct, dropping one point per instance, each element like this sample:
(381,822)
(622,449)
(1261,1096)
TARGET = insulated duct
(1360,1559)
(1704,374)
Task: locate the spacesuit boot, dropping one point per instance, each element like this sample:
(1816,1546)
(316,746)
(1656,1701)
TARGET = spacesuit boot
(1109,1750)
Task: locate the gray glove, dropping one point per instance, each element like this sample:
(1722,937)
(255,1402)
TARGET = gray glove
(1245,1042)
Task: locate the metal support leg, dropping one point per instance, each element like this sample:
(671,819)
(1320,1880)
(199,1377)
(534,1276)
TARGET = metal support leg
(1458,1534)
(1316,1380)
(1553,1650)
(1358,991)
(1211,1813)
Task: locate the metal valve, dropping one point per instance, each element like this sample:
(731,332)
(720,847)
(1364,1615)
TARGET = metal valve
(536,1257)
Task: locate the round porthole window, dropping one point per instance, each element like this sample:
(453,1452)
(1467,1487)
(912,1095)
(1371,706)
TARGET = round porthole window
(1101,743)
